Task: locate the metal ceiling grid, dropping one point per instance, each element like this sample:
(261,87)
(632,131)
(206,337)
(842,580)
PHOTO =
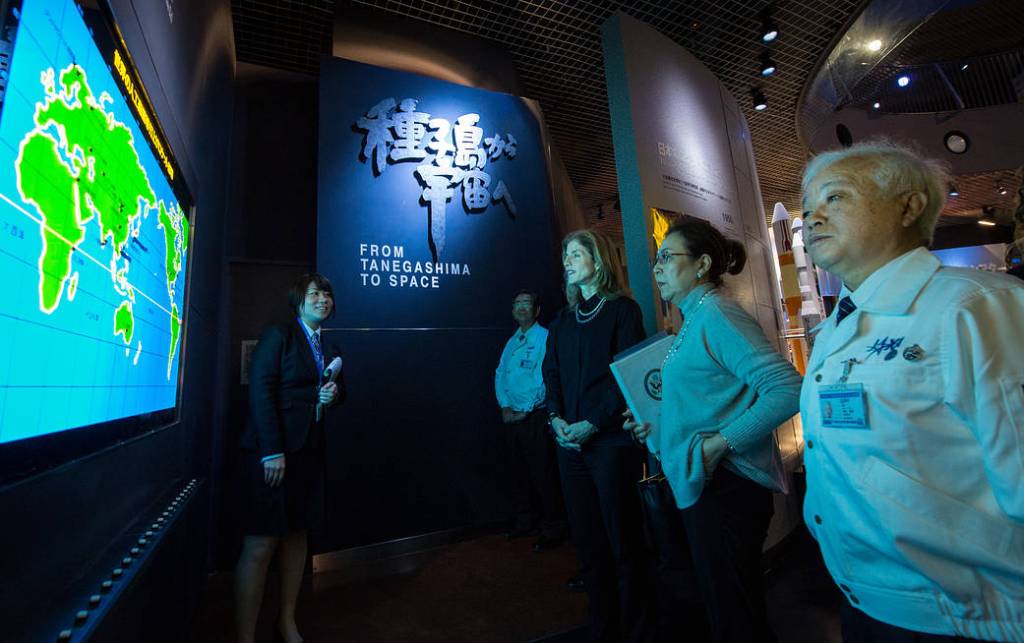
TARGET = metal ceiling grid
(284,34)
(972,29)
(556,45)
(945,86)
(983,189)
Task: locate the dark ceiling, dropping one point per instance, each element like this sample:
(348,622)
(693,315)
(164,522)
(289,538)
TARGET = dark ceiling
(967,57)
(556,46)
(285,34)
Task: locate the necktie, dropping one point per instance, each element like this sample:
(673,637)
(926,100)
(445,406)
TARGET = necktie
(318,352)
(846,306)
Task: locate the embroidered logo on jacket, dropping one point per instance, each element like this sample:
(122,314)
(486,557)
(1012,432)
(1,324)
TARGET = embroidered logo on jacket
(885,345)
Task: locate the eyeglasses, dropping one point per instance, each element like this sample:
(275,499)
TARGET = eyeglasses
(663,257)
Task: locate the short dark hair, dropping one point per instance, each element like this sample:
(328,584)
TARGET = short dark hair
(297,293)
(702,238)
(534,297)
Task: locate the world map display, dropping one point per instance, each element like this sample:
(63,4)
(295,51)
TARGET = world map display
(93,235)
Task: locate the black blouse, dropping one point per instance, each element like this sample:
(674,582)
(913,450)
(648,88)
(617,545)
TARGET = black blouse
(580,386)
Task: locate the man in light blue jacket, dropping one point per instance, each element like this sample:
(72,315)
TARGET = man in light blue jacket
(519,387)
(913,412)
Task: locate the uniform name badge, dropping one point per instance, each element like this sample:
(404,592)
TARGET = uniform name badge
(843,406)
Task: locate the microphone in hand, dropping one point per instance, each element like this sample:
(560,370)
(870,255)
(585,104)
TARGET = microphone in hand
(327,377)
(331,372)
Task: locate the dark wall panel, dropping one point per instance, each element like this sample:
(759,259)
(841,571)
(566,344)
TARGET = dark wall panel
(270,239)
(418,447)
(274,212)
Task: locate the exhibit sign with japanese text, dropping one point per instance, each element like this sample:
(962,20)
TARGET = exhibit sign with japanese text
(433,199)
(683,146)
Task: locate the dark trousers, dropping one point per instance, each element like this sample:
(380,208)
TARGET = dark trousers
(537,492)
(725,530)
(599,484)
(858,627)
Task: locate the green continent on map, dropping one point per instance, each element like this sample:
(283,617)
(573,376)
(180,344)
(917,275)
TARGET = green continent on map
(116,181)
(52,189)
(94,170)
(124,322)
(172,246)
(175,330)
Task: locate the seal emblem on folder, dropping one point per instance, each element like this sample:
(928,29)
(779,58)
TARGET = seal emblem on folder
(652,383)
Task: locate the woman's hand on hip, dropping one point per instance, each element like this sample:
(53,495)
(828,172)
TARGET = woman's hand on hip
(712,449)
(273,471)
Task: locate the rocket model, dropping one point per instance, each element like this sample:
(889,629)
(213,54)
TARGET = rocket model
(810,305)
(791,295)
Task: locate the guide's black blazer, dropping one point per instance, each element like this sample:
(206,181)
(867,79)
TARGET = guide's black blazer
(284,388)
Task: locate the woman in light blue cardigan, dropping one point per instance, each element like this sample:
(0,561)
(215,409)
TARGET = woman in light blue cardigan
(725,390)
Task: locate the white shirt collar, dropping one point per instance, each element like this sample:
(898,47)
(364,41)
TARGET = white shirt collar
(894,287)
(309,331)
(526,333)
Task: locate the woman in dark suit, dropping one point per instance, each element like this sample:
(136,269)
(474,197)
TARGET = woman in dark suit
(598,462)
(282,452)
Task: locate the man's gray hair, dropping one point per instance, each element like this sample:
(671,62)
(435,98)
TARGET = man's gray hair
(898,169)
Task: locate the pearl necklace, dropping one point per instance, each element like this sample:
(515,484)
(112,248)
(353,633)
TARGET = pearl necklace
(586,318)
(679,338)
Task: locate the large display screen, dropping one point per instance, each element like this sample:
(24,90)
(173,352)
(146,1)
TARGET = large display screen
(94,230)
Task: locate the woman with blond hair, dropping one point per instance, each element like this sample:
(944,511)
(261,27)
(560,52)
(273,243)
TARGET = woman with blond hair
(598,463)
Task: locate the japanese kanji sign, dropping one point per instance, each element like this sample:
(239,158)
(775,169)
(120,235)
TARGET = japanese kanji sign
(433,200)
(449,157)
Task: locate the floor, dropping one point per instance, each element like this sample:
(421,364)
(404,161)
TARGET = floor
(488,589)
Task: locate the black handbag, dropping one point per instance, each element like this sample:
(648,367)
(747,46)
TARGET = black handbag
(665,530)
(679,605)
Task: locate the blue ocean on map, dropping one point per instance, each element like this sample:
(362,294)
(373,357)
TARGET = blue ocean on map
(68,368)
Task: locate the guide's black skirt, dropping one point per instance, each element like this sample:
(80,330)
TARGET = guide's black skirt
(296,504)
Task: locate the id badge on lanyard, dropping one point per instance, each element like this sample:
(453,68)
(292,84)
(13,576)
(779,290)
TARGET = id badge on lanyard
(843,405)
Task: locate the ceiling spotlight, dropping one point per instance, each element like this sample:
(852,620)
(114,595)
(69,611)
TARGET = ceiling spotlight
(956,142)
(903,80)
(876,105)
(875,45)
(953,191)
(760,102)
(767,64)
(769,31)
